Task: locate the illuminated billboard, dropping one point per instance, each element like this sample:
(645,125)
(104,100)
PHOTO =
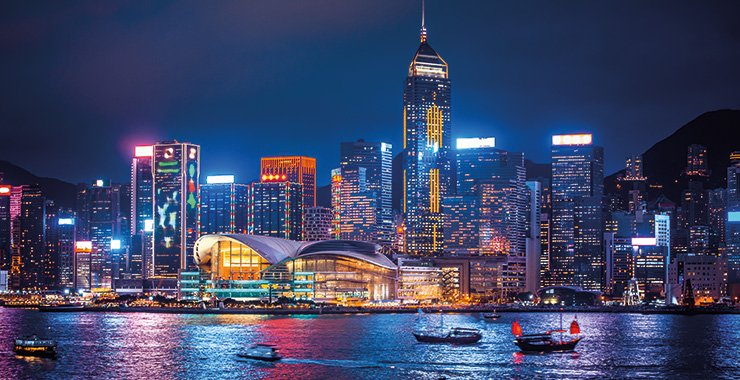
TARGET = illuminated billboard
(644,241)
(5,190)
(733,216)
(144,151)
(101,183)
(584,139)
(115,244)
(149,225)
(83,246)
(66,221)
(475,142)
(220,179)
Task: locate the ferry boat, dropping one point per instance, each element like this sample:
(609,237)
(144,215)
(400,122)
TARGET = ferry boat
(488,317)
(544,342)
(33,346)
(260,351)
(456,335)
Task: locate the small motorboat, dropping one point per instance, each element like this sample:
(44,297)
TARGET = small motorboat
(260,351)
(456,335)
(33,346)
(544,342)
(491,316)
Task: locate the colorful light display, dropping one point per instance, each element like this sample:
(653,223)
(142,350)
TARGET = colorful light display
(584,139)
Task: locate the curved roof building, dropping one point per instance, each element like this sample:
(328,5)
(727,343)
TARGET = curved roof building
(327,271)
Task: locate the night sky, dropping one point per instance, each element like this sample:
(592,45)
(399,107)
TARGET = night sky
(83,82)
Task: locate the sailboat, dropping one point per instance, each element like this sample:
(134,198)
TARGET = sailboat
(456,335)
(544,342)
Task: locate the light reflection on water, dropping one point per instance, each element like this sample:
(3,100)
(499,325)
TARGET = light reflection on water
(166,346)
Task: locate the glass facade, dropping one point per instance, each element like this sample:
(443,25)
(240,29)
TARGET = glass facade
(223,209)
(428,161)
(142,214)
(292,169)
(277,210)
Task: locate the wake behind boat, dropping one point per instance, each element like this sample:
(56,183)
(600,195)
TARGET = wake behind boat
(456,335)
(544,342)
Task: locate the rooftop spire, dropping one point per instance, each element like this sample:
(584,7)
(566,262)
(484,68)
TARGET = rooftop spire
(423,28)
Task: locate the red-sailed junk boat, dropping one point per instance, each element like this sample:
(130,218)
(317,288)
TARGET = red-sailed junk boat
(544,342)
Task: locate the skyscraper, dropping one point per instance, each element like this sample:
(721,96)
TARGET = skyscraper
(32,238)
(176,169)
(576,223)
(297,169)
(357,206)
(105,201)
(5,227)
(376,159)
(223,206)
(277,210)
(65,242)
(427,157)
(732,226)
(142,213)
(317,224)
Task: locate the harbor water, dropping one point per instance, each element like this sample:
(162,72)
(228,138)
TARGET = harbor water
(366,346)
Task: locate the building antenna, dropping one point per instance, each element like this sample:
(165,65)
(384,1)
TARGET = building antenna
(423,28)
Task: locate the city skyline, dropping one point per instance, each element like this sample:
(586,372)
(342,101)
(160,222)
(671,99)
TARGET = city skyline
(112,96)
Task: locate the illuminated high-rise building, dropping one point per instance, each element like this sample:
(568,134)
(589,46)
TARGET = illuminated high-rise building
(576,224)
(376,160)
(428,160)
(176,169)
(732,226)
(32,239)
(224,206)
(141,262)
(5,227)
(697,165)
(105,203)
(297,169)
(494,181)
(276,209)
(64,239)
(357,205)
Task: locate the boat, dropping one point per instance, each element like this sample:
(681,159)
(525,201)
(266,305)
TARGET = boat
(261,351)
(33,346)
(491,316)
(544,342)
(456,335)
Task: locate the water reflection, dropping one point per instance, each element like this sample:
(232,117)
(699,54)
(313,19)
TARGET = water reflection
(139,346)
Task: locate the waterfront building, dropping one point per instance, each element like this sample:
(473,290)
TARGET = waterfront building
(251,267)
(223,206)
(375,159)
(707,273)
(545,279)
(296,169)
(83,251)
(176,169)
(356,205)
(732,225)
(619,264)
(419,282)
(576,224)
(60,239)
(533,235)
(105,226)
(277,209)
(569,296)
(141,263)
(5,228)
(82,203)
(489,214)
(32,239)
(428,160)
(317,223)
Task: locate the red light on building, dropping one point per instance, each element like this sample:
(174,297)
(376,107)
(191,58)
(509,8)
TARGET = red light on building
(5,190)
(336,178)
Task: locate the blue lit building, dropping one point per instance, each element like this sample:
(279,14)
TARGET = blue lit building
(223,206)
(142,213)
(732,227)
(276,209)
(576,224)
(428,160)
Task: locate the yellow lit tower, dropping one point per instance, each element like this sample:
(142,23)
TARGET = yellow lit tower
(427,158)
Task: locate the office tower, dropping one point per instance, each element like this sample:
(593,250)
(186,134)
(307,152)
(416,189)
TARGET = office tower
(336,203)
(576,222)
(51,256)
(427,152)
(176,169)
(83,211)
(105,227)
(697,165)
(64,239)
(633,185)
(317,223)
(732,226)
(545,242)
(533,235)
(83,250)
(141,264)
(223,207)
(357,206)
(718,218)
(297,169)
(619,265)
(277,209)
(32,235)
(493,181)
(376,160)
(5,228)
